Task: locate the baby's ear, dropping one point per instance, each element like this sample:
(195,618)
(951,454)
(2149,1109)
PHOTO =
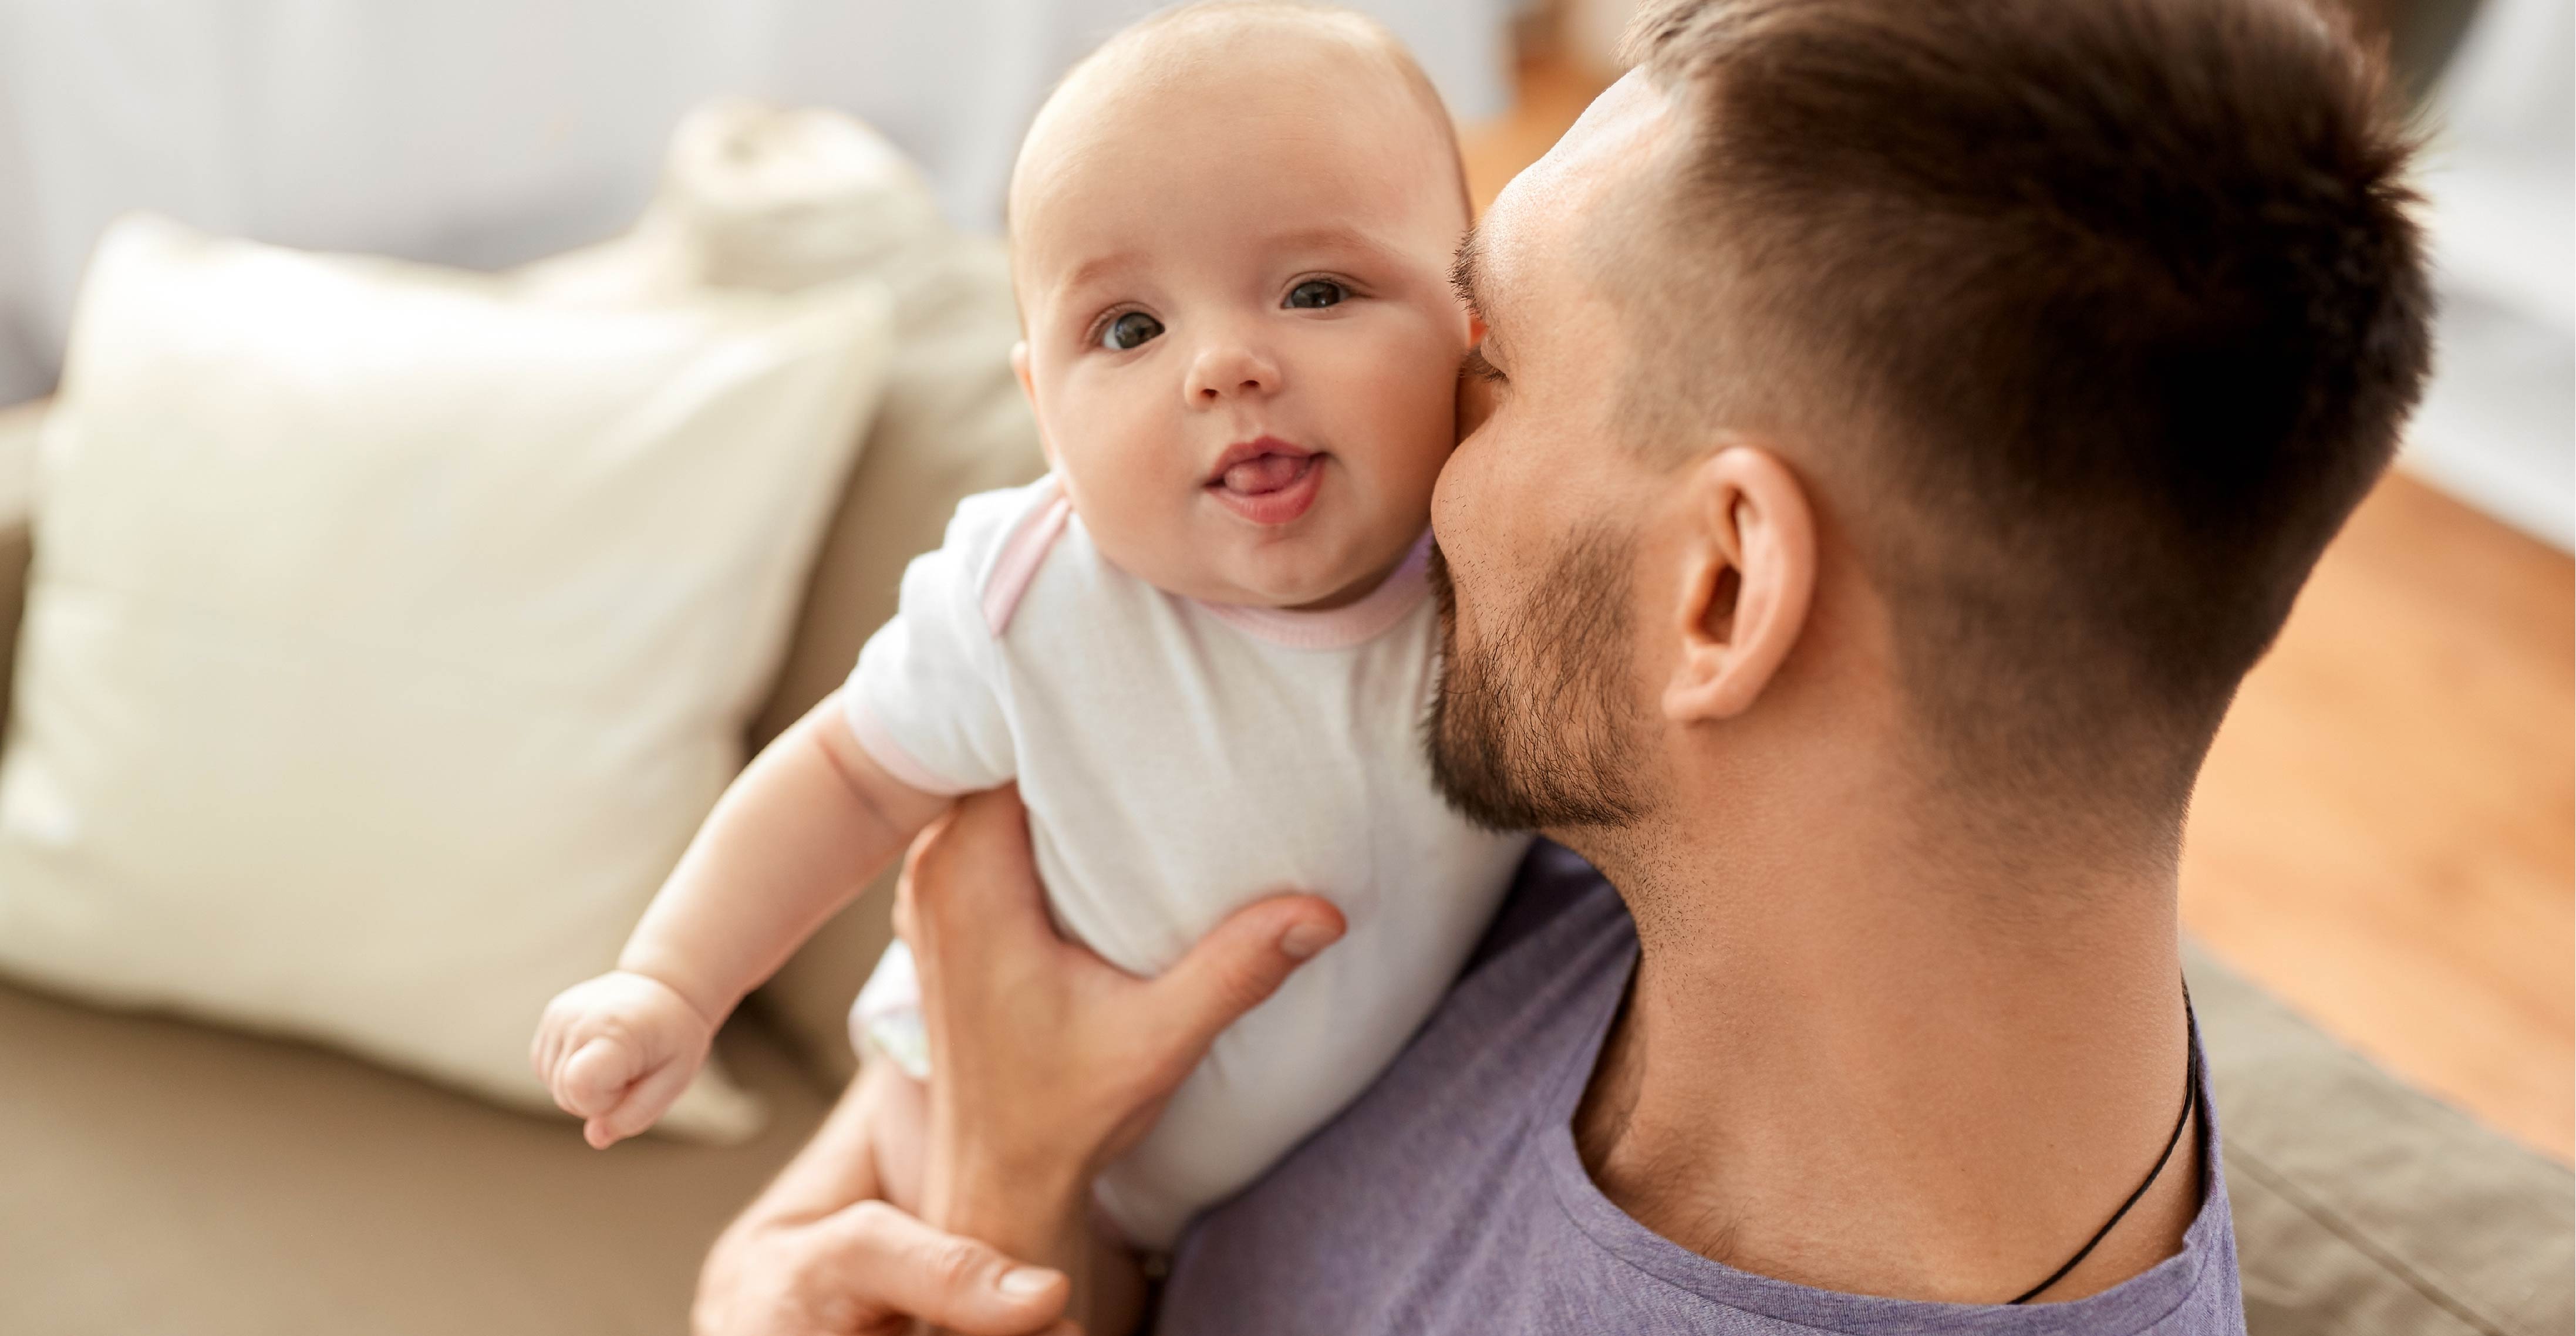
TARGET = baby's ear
(1020,368)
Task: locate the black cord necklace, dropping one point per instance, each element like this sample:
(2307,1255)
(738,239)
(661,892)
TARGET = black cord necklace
(2190,1097)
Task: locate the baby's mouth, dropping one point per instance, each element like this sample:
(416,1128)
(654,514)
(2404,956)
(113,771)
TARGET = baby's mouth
(1269,473)
(1267,481)
(1261,467)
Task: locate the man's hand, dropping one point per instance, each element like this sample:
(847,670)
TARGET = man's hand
(1047,1061)
(617,1050)
(870,1270)
(820,1255)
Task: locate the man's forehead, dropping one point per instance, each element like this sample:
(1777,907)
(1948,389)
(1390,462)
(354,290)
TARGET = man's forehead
(1529,233)
(1488,274)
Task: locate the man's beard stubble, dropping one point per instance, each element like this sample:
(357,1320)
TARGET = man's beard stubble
(1534,727)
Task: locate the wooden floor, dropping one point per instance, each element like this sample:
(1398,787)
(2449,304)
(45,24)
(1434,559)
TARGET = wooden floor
(2386,831)
(2383,832)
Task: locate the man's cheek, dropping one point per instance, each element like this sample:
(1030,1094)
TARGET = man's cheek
(1450,503)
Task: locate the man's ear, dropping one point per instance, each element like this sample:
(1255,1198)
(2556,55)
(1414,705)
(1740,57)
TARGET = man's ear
(1750,575)
(1029,390)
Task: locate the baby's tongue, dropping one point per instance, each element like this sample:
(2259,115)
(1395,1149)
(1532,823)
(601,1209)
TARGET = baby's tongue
(1264,473)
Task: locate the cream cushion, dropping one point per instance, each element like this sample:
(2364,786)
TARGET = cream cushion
(390,631)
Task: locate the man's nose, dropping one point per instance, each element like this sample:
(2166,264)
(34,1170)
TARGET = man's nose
(1231,369)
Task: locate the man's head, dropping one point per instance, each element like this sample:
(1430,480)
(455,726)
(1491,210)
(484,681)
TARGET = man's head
(1995,369)
(1231,229)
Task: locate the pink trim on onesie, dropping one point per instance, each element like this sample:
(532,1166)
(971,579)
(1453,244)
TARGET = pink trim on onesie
(1013,569)
(885,751)
(1340,628)
(1022,553)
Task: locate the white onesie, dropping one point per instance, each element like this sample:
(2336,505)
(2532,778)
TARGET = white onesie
(1180,760)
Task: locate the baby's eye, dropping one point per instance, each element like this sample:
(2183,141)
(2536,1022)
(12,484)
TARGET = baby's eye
(1315,293)
(1132,330)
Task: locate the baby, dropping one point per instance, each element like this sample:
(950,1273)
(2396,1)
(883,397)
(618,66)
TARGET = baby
(1202,646)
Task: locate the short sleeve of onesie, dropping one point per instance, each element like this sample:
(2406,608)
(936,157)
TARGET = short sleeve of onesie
(926,700)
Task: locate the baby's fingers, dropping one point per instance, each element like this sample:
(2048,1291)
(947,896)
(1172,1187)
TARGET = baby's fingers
(596,1077)
(546,1050)
(644,1101)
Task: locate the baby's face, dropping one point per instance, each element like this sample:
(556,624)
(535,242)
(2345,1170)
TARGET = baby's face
(1242,345)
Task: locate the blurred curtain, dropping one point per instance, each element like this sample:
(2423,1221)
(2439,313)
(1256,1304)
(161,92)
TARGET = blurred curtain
(2499,426)
(489,132)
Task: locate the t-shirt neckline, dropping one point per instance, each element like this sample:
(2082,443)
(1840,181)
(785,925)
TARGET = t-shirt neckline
(2134,1305)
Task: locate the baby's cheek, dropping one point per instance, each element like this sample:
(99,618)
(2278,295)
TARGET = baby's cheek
(1139,523)
(1121,468)
(1433,405)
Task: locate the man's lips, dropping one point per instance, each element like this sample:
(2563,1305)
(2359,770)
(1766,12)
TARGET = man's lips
(1267,480)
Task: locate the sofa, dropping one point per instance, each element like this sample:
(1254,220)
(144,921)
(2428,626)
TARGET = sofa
(162,1176)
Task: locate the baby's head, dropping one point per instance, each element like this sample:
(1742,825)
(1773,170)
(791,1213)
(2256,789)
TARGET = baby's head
(1231,230)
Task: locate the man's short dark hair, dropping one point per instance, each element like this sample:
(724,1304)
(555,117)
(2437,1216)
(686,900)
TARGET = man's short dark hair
(2101,315)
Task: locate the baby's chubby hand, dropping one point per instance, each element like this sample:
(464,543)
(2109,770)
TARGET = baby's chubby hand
(617,1050)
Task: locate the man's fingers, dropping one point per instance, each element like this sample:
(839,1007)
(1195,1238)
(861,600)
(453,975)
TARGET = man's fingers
(972,869)
(1241,963)
(897,1262)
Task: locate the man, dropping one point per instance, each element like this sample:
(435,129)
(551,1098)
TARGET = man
(1911,418)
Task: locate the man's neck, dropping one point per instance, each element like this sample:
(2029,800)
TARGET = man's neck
(1872,1061)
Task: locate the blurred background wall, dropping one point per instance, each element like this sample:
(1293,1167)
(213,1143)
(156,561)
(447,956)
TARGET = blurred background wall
(490,132)
(2500,174)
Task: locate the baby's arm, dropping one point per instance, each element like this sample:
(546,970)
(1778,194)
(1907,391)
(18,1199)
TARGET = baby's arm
(807,824)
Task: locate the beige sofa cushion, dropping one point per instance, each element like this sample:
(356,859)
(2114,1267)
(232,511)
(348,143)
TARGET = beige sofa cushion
(951,422)
(164,1177)
(18,427)
(390,631)
(2363,1206)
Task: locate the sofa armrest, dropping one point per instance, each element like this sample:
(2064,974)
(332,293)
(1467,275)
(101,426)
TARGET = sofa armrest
(2365,1206)
(18,428)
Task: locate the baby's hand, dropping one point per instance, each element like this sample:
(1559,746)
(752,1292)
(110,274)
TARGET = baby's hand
(617,1050)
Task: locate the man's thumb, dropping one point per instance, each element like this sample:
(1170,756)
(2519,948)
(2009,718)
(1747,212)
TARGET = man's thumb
(1242,962)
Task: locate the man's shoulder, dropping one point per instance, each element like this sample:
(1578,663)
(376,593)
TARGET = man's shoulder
(1428,1178)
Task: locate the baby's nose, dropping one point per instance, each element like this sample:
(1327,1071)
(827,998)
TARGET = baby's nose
(1232,370)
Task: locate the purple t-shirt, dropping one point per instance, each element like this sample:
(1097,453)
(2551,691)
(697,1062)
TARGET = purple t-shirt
(1449,1198)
